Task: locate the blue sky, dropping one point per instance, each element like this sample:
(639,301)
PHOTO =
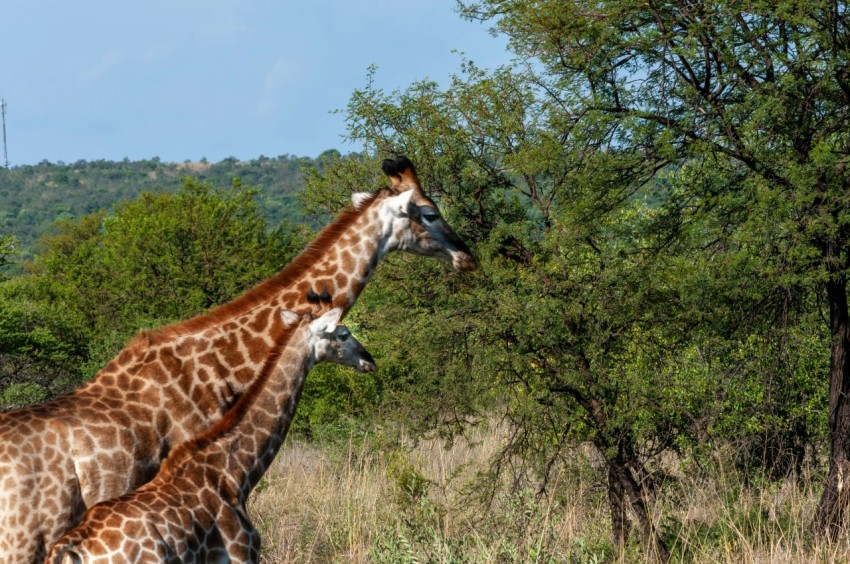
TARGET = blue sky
(187,79)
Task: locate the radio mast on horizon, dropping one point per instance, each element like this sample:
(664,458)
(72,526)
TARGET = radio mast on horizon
(5,150)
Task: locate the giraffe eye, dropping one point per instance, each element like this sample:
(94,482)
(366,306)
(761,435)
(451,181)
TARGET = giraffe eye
(430,215)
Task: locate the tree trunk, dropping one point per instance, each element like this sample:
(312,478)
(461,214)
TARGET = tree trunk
(620,526)
(831,512)
(623,488)
(627,487)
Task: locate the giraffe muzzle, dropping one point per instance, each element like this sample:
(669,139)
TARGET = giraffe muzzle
(463,261)
(366,363)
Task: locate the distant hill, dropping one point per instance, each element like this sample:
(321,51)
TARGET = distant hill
(33,197)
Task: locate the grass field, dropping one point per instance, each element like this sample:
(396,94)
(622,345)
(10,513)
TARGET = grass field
(360,503)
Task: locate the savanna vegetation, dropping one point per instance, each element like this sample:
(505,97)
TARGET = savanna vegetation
(651,362)
(33,197)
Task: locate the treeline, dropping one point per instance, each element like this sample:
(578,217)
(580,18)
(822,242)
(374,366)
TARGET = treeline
(33,197)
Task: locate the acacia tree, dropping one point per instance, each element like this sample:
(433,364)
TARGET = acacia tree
(560,331)
(582,322)
(761,88)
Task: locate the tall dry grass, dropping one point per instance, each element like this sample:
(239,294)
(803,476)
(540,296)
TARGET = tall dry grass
(360,503)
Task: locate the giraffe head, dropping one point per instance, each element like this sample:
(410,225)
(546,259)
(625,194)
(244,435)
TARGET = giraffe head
(330,341)
(415,222)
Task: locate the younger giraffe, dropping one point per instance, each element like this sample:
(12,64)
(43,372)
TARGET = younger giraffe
(194,509)
(166,387)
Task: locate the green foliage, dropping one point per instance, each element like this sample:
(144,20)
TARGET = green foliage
(159,258)
(154,260)
(33,197)
(337,403)
(8,248)
(409,485)
(335,179)
(40,351)
(658,197)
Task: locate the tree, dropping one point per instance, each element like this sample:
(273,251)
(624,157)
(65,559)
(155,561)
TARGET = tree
(7,248)
(654,203)
(761,88)
(162,256)
(157,259)
(546,334)
(40,354)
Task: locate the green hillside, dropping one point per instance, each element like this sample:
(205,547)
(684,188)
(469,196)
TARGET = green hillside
(33,197)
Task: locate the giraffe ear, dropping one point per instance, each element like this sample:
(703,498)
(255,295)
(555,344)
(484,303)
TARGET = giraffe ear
(398,204)
(290,318)
(327,322)
(358,198)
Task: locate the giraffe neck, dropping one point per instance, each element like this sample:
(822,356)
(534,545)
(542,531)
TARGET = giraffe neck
(244,443)
(330,272)
(208,360)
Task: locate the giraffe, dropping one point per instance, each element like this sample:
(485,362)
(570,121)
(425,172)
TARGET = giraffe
(194,510)
(169,385)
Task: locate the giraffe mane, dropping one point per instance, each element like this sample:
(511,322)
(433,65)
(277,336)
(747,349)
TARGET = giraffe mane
(137,346)
(141,341)
(269,287)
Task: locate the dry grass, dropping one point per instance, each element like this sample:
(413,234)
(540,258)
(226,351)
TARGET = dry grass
(355,504)
(311,507)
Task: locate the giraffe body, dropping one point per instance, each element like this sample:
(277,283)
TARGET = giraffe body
(194,509)
(168,386)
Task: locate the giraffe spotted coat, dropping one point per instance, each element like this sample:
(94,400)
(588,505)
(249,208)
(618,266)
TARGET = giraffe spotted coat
(194,509)
(170,385)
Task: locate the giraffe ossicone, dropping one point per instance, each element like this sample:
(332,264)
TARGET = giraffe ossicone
(168,386)
(194,510)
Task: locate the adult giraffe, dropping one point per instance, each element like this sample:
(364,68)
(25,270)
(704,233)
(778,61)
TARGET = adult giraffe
(194,510)
(168,386)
